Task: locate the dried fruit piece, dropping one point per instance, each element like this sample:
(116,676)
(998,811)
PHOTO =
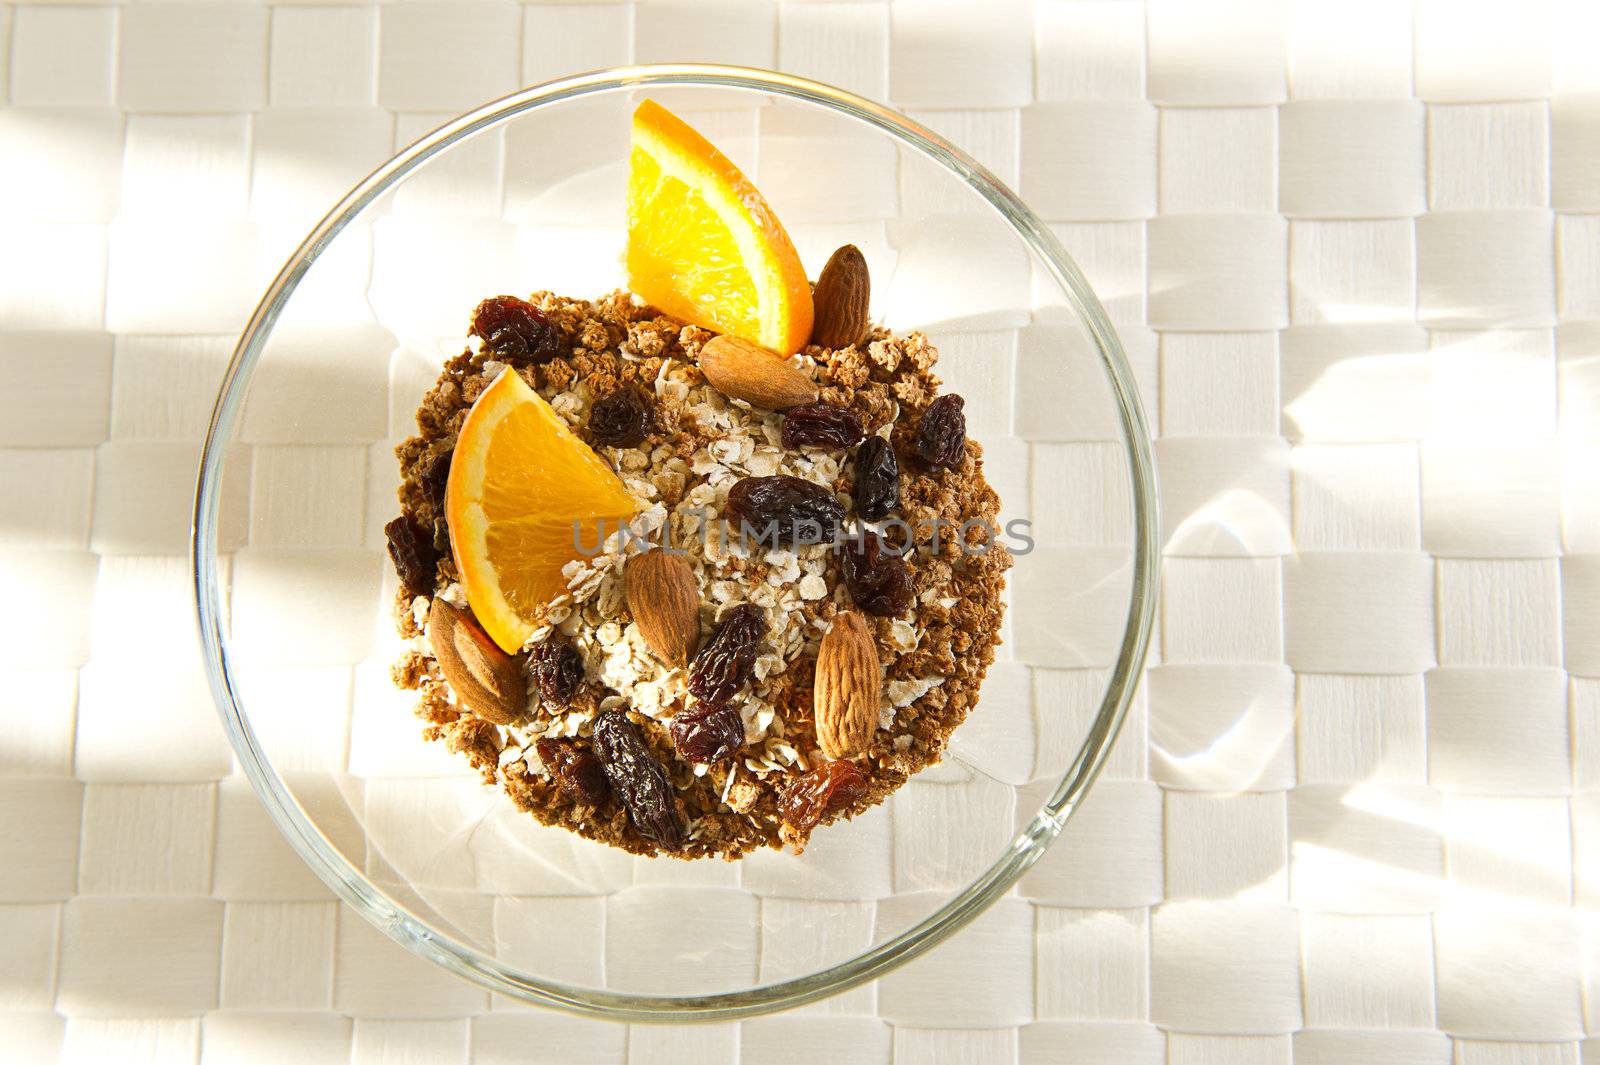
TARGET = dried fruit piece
(814,794)
(516,331)
(847,688)
(942,433)
(724,664)
(436,478)
(576,768)
(557,670)
(638,778)
(625,418)
(877,487)
(784,509)
(822,425)
(841,297)
(411,549)
(750,372)
(707,733)
(879,581)
(486,680)
(664,599)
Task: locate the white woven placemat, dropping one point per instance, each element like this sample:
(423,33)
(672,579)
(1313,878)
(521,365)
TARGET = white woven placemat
(1354,250)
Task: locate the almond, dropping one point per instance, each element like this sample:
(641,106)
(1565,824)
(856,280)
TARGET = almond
(486,680)
(847,688)
(664,598)
(750,372)
(841,298)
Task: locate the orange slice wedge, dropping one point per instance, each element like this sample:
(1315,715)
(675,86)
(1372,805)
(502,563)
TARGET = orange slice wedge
(702,243)
(523,494)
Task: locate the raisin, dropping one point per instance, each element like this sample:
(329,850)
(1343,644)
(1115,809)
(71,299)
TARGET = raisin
(828,788)
(576,768)
(411,548)
(516,331)
(436,479)
(877,487)
(942,433)
(781,509)
(879,581)
(557,670)
(625,418)
(708,733)
(728,658)
(822,425)
(638,778)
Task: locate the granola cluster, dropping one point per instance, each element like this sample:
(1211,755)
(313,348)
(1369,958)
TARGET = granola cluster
(934,656)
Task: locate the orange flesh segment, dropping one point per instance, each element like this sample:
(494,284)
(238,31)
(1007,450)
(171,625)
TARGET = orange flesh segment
(703,244)
(522,487)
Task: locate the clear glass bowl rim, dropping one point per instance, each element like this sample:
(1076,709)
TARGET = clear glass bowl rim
(413,932)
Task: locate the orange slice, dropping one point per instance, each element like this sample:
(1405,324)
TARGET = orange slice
(702,243)
(521,488)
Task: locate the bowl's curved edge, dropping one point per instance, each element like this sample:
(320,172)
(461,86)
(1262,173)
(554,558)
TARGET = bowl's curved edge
(1026,848)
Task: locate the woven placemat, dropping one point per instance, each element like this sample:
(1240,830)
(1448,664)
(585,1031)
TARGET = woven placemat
(1354,252)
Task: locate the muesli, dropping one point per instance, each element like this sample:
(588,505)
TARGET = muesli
(679,590)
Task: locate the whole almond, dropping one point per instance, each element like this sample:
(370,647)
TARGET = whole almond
(841,299)
(664,598)
(847,688)
(750,372)
(486,680)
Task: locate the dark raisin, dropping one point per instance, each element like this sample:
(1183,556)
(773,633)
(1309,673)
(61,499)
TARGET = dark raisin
(942,433)
(814,794)
(877,487)
(638,778)
(625,418)
(784,510)
(726,661)
(576,768)
(708,733)
(516,331)
(822,425)
(878,580)
(436,478)
(557,669)
(411,548)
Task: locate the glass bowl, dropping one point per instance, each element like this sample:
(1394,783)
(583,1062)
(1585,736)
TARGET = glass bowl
(298,477)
